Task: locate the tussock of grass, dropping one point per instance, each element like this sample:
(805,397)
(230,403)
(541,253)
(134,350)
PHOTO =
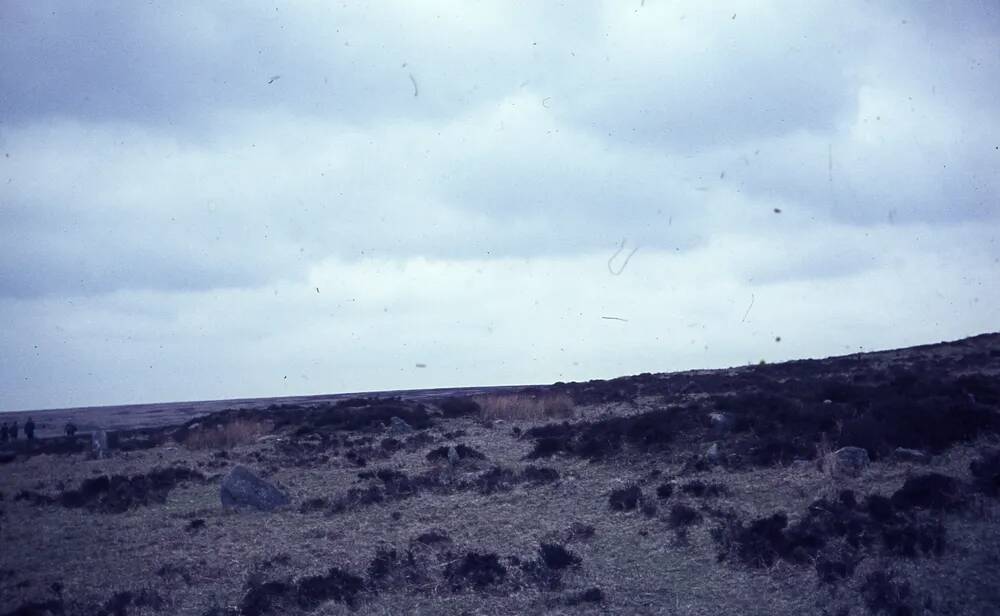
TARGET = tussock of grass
(226,436)
(525,407)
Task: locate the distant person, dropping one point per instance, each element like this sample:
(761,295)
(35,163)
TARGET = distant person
(70,428)
(13,431)
(29,429)
(4,433)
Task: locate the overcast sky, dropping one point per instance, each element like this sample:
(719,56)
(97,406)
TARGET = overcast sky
(250,200)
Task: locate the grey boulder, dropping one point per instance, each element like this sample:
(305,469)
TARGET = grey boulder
(849,461)
(721,423)
(241,489)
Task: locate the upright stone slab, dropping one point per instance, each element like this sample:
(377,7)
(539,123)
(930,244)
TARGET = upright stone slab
(99,443)
(241,489)
(398,425)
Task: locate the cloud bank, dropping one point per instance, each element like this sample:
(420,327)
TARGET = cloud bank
(243,201)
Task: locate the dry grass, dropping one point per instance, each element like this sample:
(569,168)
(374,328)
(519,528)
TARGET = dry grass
(522,407)
(239,432)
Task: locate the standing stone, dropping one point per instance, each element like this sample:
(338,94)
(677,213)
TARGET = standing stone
(848,461)
(242,489)
(712,456)
(453,456)
(398,425)
(99,443)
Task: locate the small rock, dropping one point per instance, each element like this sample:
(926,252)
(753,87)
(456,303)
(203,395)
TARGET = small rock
(398,425)
(849,461)
(828,401)
(911,455)
(453,456)
(721,423)
(241,489)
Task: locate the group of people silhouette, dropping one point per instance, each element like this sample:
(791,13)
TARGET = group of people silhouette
(10,432)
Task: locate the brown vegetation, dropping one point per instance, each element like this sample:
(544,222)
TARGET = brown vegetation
(525,407)
(226,436)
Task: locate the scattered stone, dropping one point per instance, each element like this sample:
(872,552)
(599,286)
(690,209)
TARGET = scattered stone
(849,461)
(903,454)
(242,489)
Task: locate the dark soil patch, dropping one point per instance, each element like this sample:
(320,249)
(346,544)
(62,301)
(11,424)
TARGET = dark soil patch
(117,493)
(833,569)
(929,491)
(458,407)
(336,585)
(497,479)
(885,594)
(986,472)
(119,603)
(308,593)
(391,568)
(580,531)
(539,474)
(267,598)
(861,529)
(591,595)
(476,570)
(557,557)
(51,607)
(682,515)
(700,488)
(625,499)
(464,453)
(357,497)
(432,537)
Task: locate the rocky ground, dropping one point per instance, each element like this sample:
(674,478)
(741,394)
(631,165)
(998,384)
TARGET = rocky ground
(702,492)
